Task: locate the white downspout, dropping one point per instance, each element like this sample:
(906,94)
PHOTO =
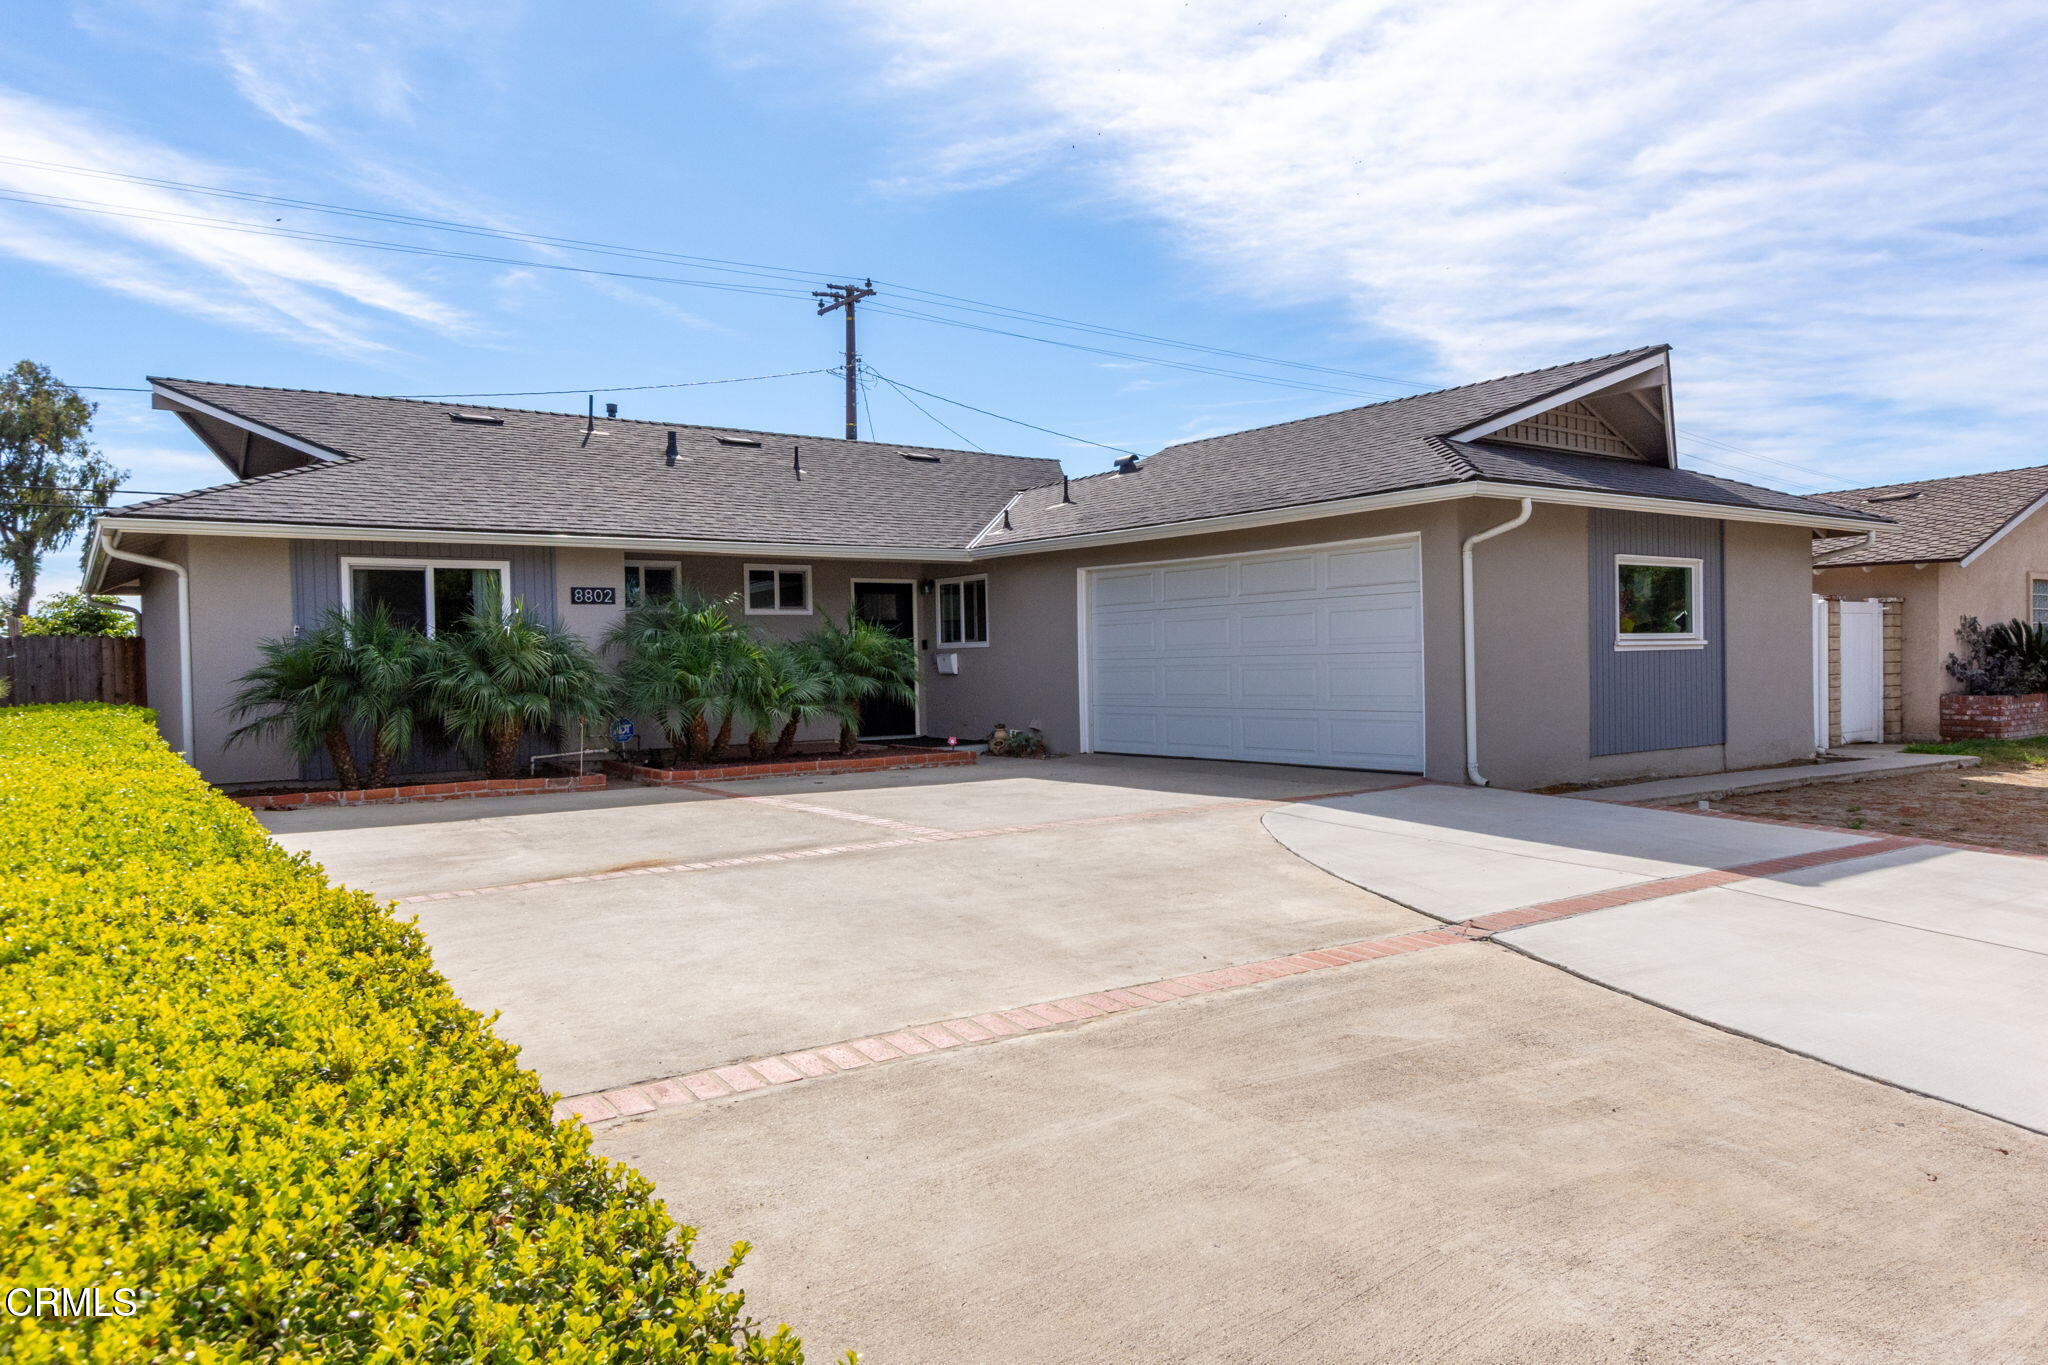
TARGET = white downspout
(1472,774)
(184,635)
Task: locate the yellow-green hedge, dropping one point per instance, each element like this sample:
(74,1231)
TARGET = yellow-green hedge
(249,1095)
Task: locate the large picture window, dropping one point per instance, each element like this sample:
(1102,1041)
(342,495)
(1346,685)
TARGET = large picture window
(1657,603)
(778,590)
(427,595)
(963,613)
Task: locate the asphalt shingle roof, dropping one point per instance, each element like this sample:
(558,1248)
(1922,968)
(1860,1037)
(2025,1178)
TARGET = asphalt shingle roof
(1938,519)
(407,465)
(1382,448)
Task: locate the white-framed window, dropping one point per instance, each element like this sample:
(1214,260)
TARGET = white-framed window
(427,594)
(650,578)
(778,589)
(1657,603)
(963,612)
(2040,601)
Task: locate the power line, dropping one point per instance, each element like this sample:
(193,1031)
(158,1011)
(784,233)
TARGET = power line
(921,407)
(1015,421)
(615,388)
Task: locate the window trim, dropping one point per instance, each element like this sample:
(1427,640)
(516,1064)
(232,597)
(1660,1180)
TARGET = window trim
(747,571)
(626,600)
(1695,638)
(2035,582)
(350,563)
(939,612)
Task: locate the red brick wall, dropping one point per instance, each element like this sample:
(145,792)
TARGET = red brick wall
(1994,717)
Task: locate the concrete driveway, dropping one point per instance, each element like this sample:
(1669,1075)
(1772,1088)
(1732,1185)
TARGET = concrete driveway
(633,935)
(1073,1060)
(1915,963)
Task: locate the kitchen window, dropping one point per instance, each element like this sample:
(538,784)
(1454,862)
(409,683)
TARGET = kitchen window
(963,613)
(1657,603)
(427,595)
(778,590)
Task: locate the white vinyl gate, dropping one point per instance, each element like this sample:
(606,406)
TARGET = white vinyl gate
(1858,664)
(1309,656)
(1862,672)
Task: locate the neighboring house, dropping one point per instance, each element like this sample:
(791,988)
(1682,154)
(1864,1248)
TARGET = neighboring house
(1975,545)
(1292,594)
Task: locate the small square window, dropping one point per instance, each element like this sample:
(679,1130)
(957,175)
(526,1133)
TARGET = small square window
(963,612)
(649,580)
(778,590)
(1657,603)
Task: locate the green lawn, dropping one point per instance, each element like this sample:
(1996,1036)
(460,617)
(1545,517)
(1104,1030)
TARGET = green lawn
(2024,753)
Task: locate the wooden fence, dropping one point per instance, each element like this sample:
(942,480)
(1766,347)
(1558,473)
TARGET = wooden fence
(46,668)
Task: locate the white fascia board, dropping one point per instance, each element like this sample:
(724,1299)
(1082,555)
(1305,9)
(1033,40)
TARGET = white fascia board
(1605,380)
(1565,497)
(234,419)
(2002,532)
(271,530)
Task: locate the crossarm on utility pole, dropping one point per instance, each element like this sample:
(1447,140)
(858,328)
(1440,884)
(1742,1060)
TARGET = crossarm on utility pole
(846,296)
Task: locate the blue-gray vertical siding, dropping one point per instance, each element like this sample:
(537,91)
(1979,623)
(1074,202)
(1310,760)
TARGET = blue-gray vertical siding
(316,588)
(316,571)
(1656,698)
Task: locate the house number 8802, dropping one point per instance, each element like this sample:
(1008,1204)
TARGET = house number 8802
(593,597)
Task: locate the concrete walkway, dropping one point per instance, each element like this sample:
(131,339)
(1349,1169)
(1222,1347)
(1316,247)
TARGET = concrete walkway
(1856,763)
(1917,964)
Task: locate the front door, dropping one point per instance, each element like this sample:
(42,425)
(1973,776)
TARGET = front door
(893,607)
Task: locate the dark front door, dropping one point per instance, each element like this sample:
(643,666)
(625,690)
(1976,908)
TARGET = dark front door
(893,607)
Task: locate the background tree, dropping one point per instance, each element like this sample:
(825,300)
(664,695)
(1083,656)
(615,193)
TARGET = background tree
(51,481)
(74,613)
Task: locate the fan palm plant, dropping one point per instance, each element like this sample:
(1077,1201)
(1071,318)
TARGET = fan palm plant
(862,661)
(777,687)
(349,675)
(494,678)
(678,657)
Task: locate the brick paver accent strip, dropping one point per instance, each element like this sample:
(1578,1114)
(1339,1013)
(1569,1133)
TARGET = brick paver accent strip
(427,791)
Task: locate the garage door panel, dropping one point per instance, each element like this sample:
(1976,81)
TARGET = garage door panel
(1312,657)
(1290,739)
(1127,635)
(1204,583)
(1198,632)
(1391,685)
(1283,628)
(1263,684)
(1127,685)
(1208,731)
(1379,742)
(1126,589)
(1196,683)
(1384,566)
(1389,623)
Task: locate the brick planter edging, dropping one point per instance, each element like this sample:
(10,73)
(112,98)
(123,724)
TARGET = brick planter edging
(1965,717)
(430,791)
(862,763)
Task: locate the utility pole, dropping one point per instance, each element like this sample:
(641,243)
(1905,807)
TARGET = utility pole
(846,296)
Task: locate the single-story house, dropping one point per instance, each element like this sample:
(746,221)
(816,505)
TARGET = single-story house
(1509,581)
(1974,545)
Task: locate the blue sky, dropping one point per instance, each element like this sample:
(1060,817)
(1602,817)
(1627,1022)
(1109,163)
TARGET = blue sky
(1834,211)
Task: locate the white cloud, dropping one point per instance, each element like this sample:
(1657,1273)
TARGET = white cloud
(1834,209)
(301,290)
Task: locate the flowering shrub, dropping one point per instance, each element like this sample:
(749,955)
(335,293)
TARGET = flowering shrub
(246,1097)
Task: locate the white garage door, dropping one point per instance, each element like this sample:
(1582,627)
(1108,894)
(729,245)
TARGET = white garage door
(1298,656)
